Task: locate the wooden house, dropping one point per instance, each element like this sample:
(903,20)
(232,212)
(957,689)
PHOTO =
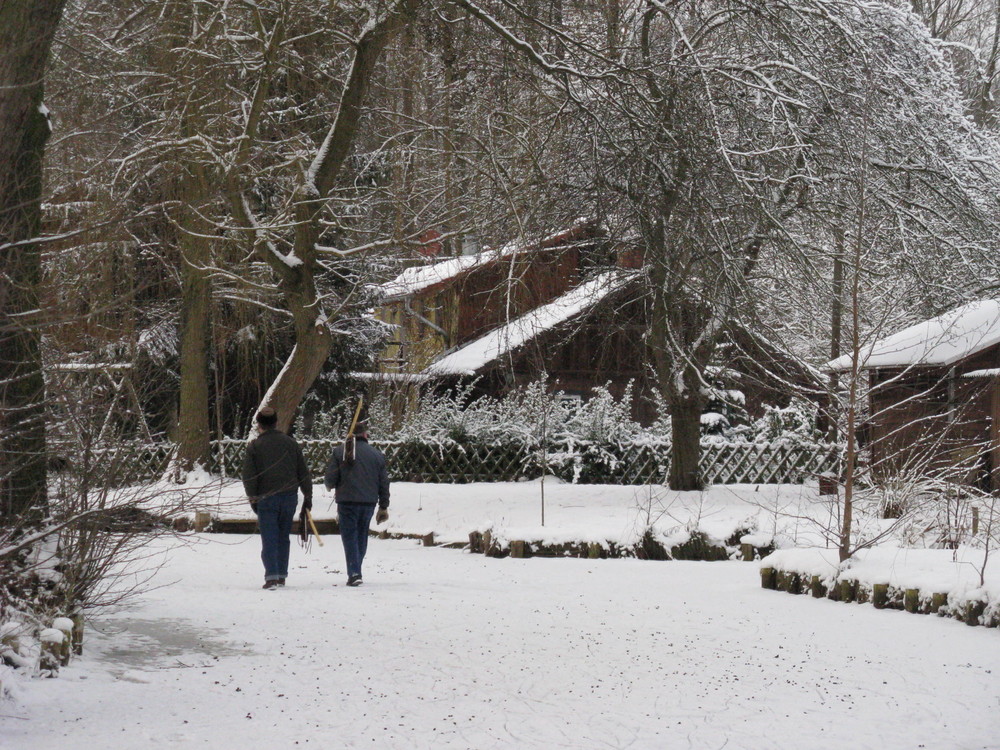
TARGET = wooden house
(567,307)
(934,396)
(439,307)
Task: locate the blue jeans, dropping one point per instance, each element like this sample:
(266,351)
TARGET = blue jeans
(275,515)
(354,521)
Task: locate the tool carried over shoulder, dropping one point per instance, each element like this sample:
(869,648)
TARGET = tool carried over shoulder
(349,441)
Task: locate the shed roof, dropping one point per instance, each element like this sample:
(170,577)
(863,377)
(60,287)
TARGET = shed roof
(940,341)
(418,279)
(472,357)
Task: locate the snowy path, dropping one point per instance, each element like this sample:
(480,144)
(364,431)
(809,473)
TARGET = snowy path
(445,649)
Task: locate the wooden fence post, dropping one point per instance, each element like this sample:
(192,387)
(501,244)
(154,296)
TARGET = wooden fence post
(973,611)
(517,549)
(938,600)
(847,590)
(747,551)
(789,581)
(48,660)
(202,520)
(768,578)
(817,588)
(77,618)
(880,595)
(65,626)
(911,600)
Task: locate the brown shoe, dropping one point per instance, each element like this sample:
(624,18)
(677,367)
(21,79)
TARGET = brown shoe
(270,585)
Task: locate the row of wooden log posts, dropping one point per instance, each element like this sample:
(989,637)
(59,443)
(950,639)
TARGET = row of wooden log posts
(881,596)
(58,643)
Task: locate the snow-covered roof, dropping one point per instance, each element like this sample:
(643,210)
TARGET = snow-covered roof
(943,340)
(471,357)
(418,278)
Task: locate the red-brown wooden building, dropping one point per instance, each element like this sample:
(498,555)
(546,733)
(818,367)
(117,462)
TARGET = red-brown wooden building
(934,396)
(568,307)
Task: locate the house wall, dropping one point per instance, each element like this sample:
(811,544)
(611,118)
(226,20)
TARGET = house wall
(489,297)
(605,349)
(412,344)
(930,419)
(473,304)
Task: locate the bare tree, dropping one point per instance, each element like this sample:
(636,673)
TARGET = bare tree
(26,32)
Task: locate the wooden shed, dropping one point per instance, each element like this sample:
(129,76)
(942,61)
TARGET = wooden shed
(438,307)
(567,307)
(934,397)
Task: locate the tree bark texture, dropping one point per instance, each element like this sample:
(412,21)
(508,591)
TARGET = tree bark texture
(193,444)
(313,339)
(194,193)
(27,28)
(681,346)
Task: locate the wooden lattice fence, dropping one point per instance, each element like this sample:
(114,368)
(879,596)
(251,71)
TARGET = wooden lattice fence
(578,462)
(457,463)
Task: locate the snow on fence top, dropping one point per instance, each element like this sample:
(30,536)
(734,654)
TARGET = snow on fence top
(943,340)
(418,278)
(476,354)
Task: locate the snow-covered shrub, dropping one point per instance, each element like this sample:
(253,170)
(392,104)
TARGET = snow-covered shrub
(598,431)
(530,415)
(700,546)
(795,424)
(695,544)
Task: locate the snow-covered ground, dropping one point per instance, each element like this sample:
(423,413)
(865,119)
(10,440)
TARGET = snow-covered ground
(579,512)
(441,648)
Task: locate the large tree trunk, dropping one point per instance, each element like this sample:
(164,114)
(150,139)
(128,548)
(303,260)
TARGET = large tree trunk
(685,448)
(194,231)
(26,31)
(681,346)
(313,342)
(297,273)
(192,437)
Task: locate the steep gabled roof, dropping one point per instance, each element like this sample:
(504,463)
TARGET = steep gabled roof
(940,341)
(472,357)
(418,279)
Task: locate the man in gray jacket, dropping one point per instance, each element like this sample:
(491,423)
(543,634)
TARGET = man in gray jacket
(359,486)
(273,469)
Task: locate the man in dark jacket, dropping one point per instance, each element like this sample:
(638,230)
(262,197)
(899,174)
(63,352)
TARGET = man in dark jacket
(273,469)
(359,486)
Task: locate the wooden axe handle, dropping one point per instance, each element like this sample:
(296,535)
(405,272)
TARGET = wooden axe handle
(357,413)
(312,526)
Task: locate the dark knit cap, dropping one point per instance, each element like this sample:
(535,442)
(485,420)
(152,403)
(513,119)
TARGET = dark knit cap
(267,417)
